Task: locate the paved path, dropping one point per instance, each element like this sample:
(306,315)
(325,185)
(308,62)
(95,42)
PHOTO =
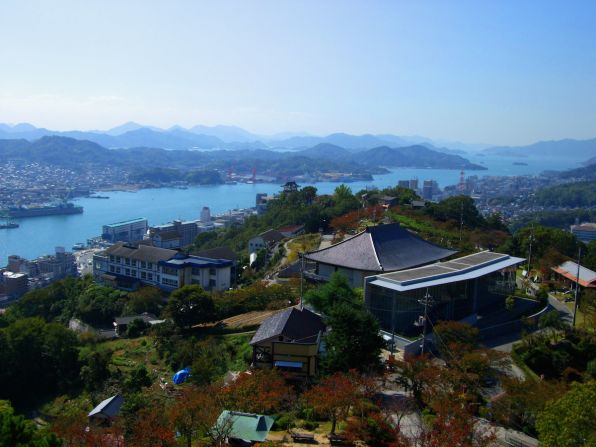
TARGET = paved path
(565,313)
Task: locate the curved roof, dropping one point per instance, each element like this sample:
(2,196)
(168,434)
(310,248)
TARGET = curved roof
(383,248)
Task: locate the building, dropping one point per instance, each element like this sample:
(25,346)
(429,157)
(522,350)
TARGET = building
(221,253)
(126,231)
(105,413)
(205,215)
(128,266)
(43,270)
(568,271)
(289,340)
(291,230)
(585,232)
(290,187)
(244,428)
(176,234)
(13,285)
(384,248)
(429,189)
(456,289)
(266,240)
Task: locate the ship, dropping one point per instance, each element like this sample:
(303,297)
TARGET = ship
(36,211)
(8,225)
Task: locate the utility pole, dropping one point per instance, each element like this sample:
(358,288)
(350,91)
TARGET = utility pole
(579,257)
(426,302)
(301,279)
(530,254)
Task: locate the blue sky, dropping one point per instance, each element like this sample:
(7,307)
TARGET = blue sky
(501,72)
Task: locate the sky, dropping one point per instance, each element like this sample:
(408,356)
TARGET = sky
(498,72)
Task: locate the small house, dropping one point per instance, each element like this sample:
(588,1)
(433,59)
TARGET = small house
(244,428)
(289,340)
(105,413)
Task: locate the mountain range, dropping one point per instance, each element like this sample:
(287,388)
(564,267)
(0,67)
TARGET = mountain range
(72,152)
(132,134)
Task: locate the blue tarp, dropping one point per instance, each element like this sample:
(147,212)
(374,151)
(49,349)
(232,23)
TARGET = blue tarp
(181,376)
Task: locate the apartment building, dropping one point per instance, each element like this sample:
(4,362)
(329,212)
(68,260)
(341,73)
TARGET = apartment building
(128,266)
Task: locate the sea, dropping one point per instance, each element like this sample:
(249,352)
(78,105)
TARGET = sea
(41,235)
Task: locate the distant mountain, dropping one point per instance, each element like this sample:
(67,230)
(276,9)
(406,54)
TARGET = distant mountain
(575,149)
(227,134)
(326,150)
(417,156)
(590,162)
(123,128)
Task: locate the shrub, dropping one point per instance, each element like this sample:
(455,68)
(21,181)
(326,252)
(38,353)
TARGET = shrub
(285,421)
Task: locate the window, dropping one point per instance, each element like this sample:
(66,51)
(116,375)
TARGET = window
(133,262)
(196,271)
(150,276)
(133,273)
(143,265)
(112,269)
(127,272)
(212,271)
(169,271)
(169,282)
(143,275)
(117,269)
(111,258)
(118,259)
(127,261)
(150,265)
(212,283)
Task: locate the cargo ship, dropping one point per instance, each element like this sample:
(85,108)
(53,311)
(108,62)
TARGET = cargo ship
(37,211)
(8,225)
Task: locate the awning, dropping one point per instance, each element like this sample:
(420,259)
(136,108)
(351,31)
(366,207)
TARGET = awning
(284,364)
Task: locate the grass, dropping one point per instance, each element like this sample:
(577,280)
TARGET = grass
(305,242)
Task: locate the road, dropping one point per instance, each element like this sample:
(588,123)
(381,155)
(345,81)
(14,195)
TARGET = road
(84,260)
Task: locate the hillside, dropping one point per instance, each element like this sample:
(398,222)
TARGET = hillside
(73,153)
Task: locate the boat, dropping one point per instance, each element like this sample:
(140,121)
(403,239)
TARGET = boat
(98,197)
(46,210)
(520,163)
(9,225)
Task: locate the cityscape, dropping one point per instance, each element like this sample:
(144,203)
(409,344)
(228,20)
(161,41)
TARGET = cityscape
(278,224)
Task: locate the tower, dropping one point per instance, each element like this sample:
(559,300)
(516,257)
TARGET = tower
(462,182)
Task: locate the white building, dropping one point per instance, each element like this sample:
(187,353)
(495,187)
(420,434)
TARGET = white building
(128,266)
(126,231)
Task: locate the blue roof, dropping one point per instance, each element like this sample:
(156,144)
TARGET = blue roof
(195,261)
(126,222)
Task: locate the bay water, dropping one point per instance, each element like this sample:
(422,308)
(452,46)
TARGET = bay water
(40,235)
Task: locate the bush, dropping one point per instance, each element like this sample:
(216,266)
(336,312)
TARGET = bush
(310,425)
(285,421)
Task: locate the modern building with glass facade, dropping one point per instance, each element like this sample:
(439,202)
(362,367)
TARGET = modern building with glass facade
(456,289)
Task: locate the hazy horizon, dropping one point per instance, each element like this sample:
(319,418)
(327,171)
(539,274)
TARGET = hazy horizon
(504,73)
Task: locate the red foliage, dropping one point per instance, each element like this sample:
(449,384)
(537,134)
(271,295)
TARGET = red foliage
(260,391)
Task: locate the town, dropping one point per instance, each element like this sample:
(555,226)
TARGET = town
(290,297)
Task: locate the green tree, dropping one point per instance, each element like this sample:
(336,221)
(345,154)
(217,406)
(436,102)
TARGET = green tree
(571,420)
(137,379)
(95,370)
(98,305)
(16,431)
(457,208)
(136,328)
(354,341)
(146,299)
(190,305)
(336,290)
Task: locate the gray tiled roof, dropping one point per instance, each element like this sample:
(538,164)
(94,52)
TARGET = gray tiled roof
(301,326)
(145,253)
(381,248)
